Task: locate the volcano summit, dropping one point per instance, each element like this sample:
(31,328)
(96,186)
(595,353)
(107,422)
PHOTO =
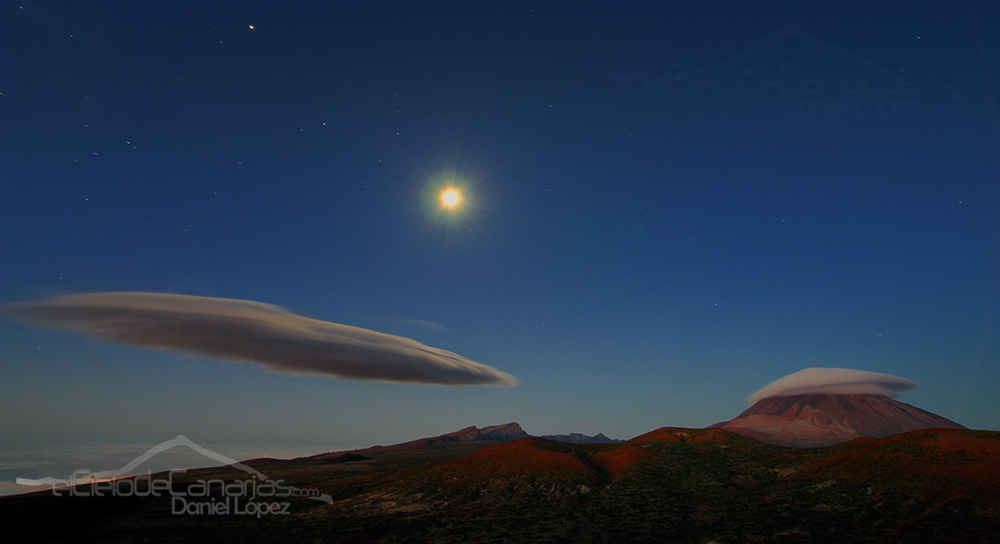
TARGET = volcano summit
(809,421)
(823,406)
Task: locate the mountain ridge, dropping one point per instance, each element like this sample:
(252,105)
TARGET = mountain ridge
(672,483)
(470,436)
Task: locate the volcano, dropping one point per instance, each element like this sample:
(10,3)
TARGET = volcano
(816,420)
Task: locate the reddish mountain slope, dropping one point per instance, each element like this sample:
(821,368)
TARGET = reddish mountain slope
(681,434)
(555,459)
(617,461)
(525,456)
(822,420)
(930,465)
(525,469)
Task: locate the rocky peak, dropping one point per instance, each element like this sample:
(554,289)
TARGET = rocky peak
(503,433)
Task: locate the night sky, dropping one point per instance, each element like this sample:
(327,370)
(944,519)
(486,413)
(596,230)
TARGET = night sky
(664,209)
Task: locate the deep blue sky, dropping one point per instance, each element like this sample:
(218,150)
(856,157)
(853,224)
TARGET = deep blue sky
(667,207)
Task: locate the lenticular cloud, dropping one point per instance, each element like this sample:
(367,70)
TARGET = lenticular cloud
(833,381)
(256,332)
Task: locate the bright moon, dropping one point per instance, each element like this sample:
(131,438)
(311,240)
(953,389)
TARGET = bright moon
(450,198)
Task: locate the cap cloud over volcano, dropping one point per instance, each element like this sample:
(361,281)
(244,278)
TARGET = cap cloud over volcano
(834,381)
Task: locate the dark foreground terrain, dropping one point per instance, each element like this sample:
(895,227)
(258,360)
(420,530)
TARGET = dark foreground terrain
(669,485)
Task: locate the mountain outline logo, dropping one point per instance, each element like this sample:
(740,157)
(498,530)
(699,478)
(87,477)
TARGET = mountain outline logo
(181,440)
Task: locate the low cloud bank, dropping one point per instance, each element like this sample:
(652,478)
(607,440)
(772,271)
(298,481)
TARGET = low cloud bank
(834,381)
(255,332)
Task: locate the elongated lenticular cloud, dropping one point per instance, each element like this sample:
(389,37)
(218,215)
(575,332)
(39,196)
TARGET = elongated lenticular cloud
(833,381)
(256,332)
